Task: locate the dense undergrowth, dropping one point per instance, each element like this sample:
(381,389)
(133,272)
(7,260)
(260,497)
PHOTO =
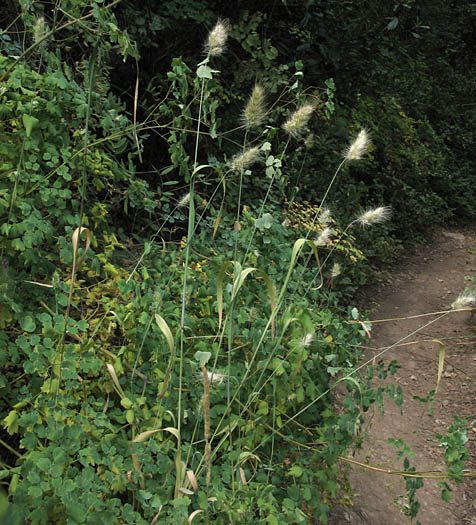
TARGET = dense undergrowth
(174,288)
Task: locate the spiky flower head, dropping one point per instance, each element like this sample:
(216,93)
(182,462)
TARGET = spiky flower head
(255,109)
(297,122)
(217,39)
(336,270)
(215,378)
(184,201)
(374,216)
(307,340)
(324,216)
(245,159)
(56,281)
(309,141)
(39,30)
(358,147)
(464,300)
(324,237)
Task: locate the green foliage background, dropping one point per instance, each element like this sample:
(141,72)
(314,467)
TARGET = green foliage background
(87,365)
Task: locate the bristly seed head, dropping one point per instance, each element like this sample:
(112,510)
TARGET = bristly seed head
(335,270)
(215,378)
(297,122)
(309,141)
(39,30)
(184,201)
(307,339)
(324,237)
(255,109)
(359,147)
(375,216)
(464,300)
(245,159)
(217,39)
(324,216)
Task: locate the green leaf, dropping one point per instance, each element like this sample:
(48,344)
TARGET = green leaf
(17,244)
(28,324)
(126,402)
(30,123)
(446,496)
(77,512)
(130,416)
(34,491)
(295,471)
(205,72)
(43,464)
(392,24)
(11,422)
(202,357)
(265,222)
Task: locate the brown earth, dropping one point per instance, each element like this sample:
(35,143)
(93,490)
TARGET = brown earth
(427,281)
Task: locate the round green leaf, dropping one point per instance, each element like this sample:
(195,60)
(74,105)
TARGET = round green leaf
(28,324)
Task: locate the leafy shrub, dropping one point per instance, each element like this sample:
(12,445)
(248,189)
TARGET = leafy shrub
(192,378)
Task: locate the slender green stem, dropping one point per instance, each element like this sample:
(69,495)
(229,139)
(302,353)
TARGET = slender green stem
(253,231)
(61,345)
(350,374)
(327,257)
(316,215)
(12,450)
(235,273)
(191,224)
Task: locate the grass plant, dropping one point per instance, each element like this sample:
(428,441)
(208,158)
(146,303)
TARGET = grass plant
(194,381)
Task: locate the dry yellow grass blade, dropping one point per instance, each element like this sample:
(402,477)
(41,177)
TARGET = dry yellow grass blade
(243,477)
(193,480)
(115,380)
(145,435)
(194,513)
(137,466)
(40,284)
(164,327)
(441,362)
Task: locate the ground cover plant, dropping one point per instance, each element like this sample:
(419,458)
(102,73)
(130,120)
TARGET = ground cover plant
(170,350)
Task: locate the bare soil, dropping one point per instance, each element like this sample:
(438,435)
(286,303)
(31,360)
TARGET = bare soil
(427,281)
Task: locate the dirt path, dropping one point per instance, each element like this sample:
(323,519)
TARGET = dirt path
(429,281)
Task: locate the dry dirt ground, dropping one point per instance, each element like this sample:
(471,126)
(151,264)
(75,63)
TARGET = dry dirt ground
(429,280)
